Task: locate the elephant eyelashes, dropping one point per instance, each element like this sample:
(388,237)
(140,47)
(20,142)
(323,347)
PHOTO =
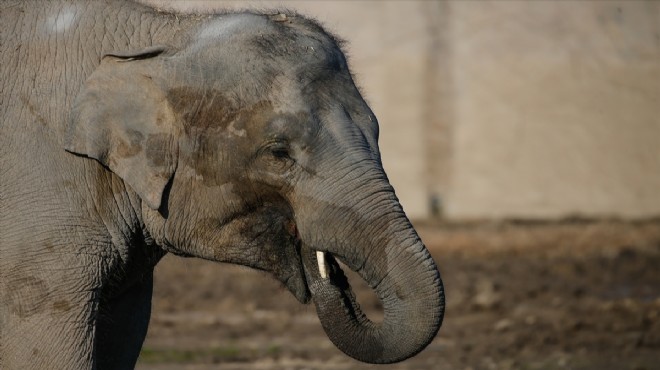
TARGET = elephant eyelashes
(280,151)
(277,156)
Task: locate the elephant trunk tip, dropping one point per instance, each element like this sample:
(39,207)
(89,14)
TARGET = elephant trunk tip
(409,323)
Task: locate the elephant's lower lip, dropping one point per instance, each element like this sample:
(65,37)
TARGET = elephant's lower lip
(298,282)
(303,294)
(297,285)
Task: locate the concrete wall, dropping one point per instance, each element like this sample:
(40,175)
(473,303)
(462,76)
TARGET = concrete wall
(507,109)
(556,109)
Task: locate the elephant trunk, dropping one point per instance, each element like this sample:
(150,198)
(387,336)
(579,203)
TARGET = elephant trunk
(390,257)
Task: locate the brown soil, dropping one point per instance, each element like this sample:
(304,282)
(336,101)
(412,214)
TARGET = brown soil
(570,295)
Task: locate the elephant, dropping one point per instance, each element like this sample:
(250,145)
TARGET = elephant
(128,132)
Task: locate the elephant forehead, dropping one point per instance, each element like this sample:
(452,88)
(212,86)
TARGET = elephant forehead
(204,109)
(244,37)
(232,24)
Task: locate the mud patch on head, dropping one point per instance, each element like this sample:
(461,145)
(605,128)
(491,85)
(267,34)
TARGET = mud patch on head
(132,147)
(201,109)
(220,144)
(159,149)
(254,117)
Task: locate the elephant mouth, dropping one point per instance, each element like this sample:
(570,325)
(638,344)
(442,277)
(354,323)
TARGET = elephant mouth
(322,268)
(319,266)
(312,266)
(315,267)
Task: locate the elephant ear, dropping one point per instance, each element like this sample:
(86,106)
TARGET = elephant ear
(122,119)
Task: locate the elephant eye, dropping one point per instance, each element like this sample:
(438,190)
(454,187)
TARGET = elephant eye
(280,153)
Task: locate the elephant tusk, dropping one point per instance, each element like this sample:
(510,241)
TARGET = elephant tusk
(320,258)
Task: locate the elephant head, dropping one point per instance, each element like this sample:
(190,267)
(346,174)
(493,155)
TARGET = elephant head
(251,144)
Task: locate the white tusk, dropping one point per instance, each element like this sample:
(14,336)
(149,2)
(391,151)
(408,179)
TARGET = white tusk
(320,258)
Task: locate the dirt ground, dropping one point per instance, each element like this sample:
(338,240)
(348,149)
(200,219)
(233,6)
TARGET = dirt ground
(569,295)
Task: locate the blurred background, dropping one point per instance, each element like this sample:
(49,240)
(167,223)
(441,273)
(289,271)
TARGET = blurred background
(523,139)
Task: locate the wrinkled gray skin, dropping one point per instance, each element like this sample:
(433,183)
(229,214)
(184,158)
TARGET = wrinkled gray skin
(127,133)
